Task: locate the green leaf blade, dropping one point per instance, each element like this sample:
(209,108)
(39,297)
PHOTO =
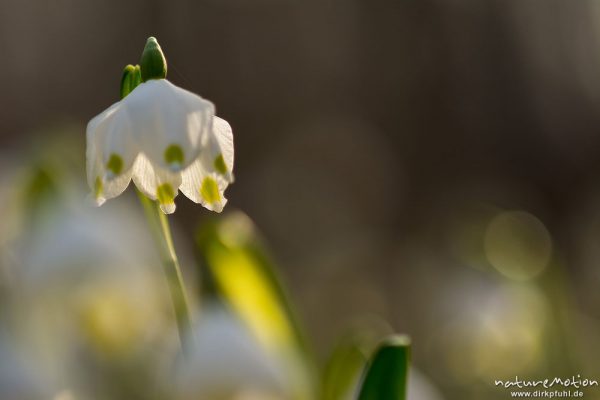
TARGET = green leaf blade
(386,376)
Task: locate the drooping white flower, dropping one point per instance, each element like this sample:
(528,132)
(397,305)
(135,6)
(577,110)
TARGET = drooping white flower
(163,137)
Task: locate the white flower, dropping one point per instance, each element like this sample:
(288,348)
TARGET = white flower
(227,362)
(164,138)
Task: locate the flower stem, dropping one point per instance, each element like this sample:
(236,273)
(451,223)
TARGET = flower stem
(161,231)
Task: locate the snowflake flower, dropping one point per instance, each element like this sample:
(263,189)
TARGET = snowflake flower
(163,137)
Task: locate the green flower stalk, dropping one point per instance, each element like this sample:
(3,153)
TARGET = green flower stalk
(161,231)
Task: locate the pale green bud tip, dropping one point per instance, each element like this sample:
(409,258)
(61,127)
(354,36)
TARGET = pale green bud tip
(397,341)
(153,63)
(132,77)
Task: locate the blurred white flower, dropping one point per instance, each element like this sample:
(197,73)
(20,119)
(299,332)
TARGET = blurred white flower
(164,138)
(19,377)
(74,270)
(81,301)
(420,387)
(228,363)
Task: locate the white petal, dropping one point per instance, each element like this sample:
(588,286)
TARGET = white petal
(95,134)
(163,115)
(119,145)
(206,188)
(217,155)
(99,130)
(156,183)
(117,185)
(96,179)
(101,118)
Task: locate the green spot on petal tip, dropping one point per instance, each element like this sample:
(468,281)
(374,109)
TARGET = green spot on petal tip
(165,194)
(98,187)
(220,165)
(174,155)
(115,164)
(209,190)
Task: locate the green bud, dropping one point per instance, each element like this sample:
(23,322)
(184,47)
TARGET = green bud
(153,63)
(131,78)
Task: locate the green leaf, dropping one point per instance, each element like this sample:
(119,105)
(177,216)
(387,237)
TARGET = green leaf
(238,270)
(387,373)
(343,369)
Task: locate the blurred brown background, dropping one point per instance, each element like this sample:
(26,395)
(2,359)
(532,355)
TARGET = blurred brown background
(376,142)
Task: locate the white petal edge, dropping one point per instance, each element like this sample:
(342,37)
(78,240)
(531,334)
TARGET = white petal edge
(119,142)
(97,133)
(149,178)
(191,186)
(219,143)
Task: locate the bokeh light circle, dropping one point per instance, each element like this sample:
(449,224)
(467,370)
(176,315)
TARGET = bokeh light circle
(518,245)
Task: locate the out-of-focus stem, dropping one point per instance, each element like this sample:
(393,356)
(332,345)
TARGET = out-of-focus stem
(161,231)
